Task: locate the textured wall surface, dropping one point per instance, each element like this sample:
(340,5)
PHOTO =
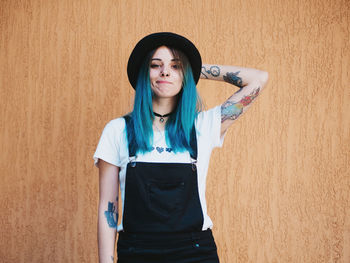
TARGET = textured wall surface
(279,189)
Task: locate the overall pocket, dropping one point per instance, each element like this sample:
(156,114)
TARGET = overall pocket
(165,197)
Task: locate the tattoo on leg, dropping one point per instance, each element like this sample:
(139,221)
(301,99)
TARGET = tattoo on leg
(214,71)
(233,78)
(111,215)
(231,110)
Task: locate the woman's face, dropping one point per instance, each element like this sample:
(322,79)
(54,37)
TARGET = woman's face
(165,73)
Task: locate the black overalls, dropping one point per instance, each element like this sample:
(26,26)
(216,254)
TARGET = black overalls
(162,217)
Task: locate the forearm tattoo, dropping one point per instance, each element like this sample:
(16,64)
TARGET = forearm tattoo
(213,70)
(231,110)
(233,79)
(111,215)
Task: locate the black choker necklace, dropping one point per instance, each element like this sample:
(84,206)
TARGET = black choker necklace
(162,116)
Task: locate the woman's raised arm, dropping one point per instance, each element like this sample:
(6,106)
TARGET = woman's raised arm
(107,210)
(249,81)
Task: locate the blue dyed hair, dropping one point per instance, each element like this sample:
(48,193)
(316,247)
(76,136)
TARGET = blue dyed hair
(180,122)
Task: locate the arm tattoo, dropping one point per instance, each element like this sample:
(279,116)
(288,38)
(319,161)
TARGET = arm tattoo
(231,110)
(214,71)
(111,215)
(233,79)
(112,258)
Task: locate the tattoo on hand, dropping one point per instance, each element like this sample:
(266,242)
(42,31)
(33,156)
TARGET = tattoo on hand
(111,215)
(233,79)
(231,110)
(214,71)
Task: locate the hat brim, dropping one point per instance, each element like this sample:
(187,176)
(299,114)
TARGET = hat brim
(153,41)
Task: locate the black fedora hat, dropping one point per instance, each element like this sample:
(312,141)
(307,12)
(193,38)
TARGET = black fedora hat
(151,42)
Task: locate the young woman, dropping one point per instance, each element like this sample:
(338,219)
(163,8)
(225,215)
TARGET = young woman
(159,154)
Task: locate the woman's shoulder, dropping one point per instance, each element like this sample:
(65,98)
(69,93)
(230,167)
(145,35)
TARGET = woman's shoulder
(116,125)
(208,116)
(120,121)
(208,126)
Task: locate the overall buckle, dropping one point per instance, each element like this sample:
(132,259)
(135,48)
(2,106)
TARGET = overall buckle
(194,164)
(132,161)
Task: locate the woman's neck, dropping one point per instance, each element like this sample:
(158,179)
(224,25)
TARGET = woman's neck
(163,106)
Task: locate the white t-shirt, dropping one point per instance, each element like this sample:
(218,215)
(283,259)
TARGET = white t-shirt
(113,148)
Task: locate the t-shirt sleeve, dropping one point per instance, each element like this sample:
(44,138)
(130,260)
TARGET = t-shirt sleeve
(210,122)
(108,148)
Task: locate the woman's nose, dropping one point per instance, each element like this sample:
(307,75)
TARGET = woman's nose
(164,72)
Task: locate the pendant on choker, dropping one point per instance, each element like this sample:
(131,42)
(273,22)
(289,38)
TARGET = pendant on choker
(161,117)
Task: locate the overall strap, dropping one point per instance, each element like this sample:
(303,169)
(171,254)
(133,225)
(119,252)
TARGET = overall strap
(193,143)
(132,150)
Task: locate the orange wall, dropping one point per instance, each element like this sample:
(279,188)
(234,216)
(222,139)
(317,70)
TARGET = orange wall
(279,189)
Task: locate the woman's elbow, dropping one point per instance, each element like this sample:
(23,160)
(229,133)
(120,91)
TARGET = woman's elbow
(264,77)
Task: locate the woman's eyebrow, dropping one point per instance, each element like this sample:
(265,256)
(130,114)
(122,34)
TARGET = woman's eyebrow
(174,59)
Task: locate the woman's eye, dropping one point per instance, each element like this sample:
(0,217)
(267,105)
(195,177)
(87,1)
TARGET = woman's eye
(154,66)
(176,66)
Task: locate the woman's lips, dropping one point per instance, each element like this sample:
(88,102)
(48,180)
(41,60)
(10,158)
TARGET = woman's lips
(163,82)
